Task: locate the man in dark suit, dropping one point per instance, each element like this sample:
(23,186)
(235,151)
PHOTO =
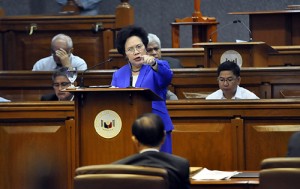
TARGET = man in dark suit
(60,81)
(147,135)
(294,145)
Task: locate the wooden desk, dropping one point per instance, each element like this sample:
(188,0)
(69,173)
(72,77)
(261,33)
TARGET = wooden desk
(234,183)
(239,132)
(245,54)
(280,27)
(26,39)
(37,145)
(265,82)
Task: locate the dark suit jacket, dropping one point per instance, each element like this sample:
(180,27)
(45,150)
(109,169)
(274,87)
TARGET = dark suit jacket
(178,168)
(294,145)
(49,97)
(173,62)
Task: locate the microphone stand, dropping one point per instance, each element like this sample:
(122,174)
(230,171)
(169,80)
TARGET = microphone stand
(82,80)
(245,26)
(131,77)
(221,28)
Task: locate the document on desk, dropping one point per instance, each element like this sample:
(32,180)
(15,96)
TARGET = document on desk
(206,174)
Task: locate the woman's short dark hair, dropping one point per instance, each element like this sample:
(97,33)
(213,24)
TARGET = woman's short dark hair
(127,32)
(148,129)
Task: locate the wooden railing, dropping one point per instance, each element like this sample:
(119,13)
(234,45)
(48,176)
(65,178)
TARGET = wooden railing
(194,57)
(270,82)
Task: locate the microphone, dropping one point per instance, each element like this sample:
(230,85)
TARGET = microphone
(221,28)
(131,78)
(247,28)
(130,82)
(92,67)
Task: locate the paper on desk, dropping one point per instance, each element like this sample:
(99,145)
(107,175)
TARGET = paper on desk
(206,174)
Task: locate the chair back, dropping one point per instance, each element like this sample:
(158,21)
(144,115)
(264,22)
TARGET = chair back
(113,176)
(281,162)
(279,178)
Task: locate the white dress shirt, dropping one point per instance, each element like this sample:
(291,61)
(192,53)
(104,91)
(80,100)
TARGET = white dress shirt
(48,63)
(241,93)
(4,100)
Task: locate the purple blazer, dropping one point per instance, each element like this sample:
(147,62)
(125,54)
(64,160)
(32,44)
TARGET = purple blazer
(158,81)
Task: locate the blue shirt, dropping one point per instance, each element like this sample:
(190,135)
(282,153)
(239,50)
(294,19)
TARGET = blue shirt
(90,7)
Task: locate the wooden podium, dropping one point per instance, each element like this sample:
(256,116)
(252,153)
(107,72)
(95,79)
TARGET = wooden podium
(103,122)
(245,54)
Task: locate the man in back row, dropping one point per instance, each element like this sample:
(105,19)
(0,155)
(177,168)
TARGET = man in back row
(229,80)
(61,49)
(154,49)
(60,81)
(87,7)
(148,135)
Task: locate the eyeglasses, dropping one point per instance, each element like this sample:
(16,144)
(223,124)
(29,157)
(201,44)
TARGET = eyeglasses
(138,47)
(63,84)
(229,79)
(152,49)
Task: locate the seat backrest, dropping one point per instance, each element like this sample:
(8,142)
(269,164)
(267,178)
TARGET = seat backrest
(281,162)
(279,178)
(120,176)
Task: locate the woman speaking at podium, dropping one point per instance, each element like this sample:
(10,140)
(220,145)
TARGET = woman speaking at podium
(144,71)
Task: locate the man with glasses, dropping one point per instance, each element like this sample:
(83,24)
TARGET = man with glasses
(229,80)
(154,49)
(60,81)
(61,56)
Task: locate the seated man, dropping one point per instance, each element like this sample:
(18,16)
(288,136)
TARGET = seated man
(87,7)
(294,145)
(154,49)
(61,48)
(147,135)
(60,81)
(229,80)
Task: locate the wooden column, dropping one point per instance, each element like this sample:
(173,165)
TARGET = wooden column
(197,15)
(124,14)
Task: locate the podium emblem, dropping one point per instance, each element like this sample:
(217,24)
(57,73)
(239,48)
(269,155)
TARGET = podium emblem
(108,124)
(233,56)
